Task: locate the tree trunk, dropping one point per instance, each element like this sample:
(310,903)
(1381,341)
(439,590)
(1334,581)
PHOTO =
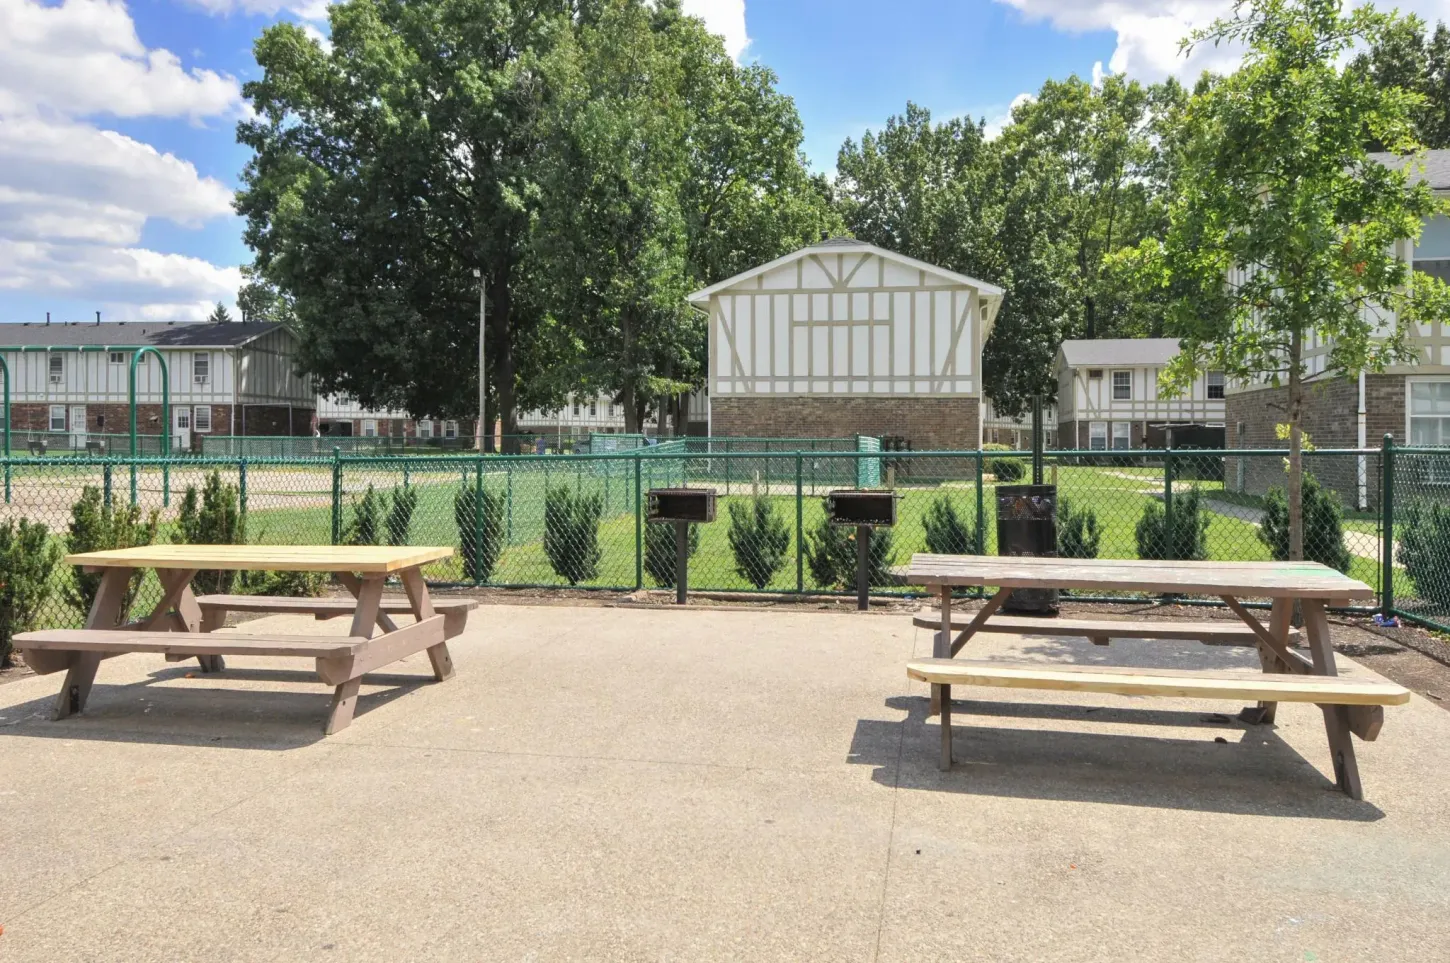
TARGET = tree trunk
(503,354)
(1090,318)
(627,402)
(1296,452)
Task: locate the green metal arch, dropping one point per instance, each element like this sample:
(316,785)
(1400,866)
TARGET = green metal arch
(165,448)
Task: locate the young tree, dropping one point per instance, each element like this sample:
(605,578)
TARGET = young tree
(219,315)
(1282,232)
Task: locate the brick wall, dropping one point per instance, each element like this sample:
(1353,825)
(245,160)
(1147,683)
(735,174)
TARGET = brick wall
(928,424)
(1331,418)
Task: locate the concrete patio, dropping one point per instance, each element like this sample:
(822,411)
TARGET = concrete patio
(615,784)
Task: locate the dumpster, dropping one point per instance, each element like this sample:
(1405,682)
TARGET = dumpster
(1027,525)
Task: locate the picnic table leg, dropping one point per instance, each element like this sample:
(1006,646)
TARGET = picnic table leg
(105,613)
(1336,718)
(422,604)
(941,648)
(369,593)
(354,585)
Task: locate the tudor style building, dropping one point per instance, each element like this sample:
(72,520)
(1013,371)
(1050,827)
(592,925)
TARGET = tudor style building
(844,338)
(1108,398)
(69,382)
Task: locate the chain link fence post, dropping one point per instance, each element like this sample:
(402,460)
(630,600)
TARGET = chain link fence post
(981,507)
(106,485)
(638,525)
(1168,542)
(242,487)
(800,524)
(1387,525)
(336,495)
(478,523)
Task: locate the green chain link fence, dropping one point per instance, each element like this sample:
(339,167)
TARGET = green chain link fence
(579,520)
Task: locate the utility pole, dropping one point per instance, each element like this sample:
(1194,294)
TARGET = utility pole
(482,383)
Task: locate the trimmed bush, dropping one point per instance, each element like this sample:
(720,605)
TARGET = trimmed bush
(95,527)
(400,515)
(759,540)
(1189,540)
(948,533)
(1323,525)
(659,550)
(571,534)
(1423,537)
(1007,470)
(28,560)
(213,518)
(365,526)
(480,556)
(831,555)
(1078,531)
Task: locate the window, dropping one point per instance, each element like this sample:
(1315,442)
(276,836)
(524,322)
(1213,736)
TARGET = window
(201,418)
(612,406)
(1437,268)
(57,417)
(118,357)
(425,428)
(57,368)
(200,367)
(1215,385)
(593,408)
(450,429)
(1122,435)
(1122,386)
(1095,374)
(370,428)
(1429,413)
(1098,436)
(576,409)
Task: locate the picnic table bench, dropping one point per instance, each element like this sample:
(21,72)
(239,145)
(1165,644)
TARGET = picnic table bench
(180,627)
(1351,707)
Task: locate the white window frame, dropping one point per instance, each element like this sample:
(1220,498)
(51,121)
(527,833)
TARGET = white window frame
(55,365)
(450,429)
(1210,384)
(576,409)
(1410,401)
(1125,435)
(593,409)
(425,427)
(369,427)
(201,367)
(1095,435)
(198,422)
(53,410)
(117,357)
(1128,386)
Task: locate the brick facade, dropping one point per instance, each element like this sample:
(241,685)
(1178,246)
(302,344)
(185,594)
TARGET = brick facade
(115,419)
(927,424)
(1331,419)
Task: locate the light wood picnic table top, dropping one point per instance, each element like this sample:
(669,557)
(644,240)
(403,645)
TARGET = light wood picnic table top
(368,559)
(1250,579)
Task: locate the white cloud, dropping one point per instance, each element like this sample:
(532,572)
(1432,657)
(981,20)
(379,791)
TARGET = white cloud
(1149,32)
(316,35)
(84,58)
(725,17)
(75,198)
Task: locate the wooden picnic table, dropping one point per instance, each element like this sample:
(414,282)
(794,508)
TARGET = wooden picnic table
(1350,707)
(179,628)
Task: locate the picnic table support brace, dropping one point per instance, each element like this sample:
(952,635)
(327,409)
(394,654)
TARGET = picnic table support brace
(344,697)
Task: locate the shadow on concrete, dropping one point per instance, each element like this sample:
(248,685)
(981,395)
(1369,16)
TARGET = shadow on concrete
(1252,772)
(203,710)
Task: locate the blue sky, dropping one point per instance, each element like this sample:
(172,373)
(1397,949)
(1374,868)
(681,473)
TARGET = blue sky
(117,117)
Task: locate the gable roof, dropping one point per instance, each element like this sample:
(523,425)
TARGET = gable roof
(847,245)
(1436,165)
(1119,352)
(159,334)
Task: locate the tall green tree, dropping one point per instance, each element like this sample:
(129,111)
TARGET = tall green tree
(1406,56)
(220,315)
(1282,231)
(388,170)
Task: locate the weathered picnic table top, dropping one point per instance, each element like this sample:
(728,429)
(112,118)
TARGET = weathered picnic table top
(367,559)
(1254,579)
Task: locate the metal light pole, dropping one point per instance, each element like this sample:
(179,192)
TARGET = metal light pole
(482,383)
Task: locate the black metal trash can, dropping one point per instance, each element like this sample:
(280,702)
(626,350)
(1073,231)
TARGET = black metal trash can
(1027,525)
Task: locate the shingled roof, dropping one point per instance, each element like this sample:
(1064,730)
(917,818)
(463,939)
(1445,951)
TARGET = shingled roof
(159,334)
